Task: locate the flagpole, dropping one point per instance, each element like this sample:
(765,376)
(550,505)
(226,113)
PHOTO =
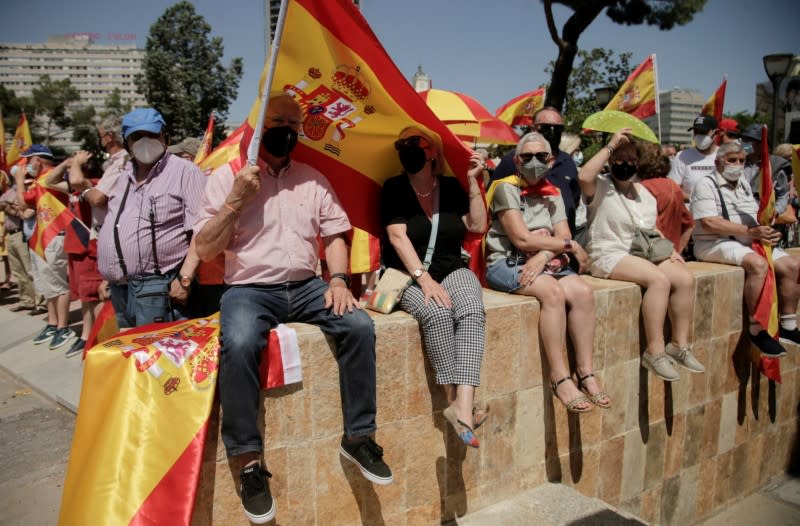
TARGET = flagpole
(252,148)
(658,103)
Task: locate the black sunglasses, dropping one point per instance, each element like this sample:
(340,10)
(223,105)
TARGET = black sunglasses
(542,157)
(414,140)
(543,127)
(733,135)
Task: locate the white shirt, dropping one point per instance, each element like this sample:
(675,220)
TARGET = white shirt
(690,166)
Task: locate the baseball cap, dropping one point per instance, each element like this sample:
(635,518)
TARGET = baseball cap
(142,119)
(189,145)
(729,125)
(753,132)
(38,150)
(704,124)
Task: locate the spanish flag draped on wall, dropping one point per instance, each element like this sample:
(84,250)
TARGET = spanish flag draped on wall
(21,141)
(715,102)
(139,436)
(205,146)
(766,311)
(519,110)
(638,95)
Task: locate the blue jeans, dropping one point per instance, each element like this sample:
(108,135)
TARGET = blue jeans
(247,313)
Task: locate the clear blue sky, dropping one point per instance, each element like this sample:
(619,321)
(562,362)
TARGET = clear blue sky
(492,51)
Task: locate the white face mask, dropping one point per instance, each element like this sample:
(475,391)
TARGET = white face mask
(147,150)
(703,142)
(732,172)
(577,158)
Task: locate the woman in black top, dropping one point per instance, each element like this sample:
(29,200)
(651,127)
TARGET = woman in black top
(446,297)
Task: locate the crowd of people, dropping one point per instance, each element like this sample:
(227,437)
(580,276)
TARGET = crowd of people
(164,241)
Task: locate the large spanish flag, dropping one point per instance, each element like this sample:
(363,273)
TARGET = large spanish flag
(638,95)
(140,432)
(519,110)
(715,102)
(21,141)
(766,311)
(355,102)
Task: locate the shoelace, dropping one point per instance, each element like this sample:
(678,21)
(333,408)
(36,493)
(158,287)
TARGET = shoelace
(254,483)
(376,451)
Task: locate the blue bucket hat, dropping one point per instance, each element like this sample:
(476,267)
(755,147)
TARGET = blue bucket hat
(38,150)
(142,119)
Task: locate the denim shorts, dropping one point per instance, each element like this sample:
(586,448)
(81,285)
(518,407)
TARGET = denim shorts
(500,276)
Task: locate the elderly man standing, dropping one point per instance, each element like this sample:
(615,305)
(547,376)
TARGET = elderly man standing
(725,213)
(145,246)
(268,219)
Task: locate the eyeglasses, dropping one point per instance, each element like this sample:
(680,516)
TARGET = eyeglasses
(542,157)
(735,160)
(732,135)
(414,140)
(547,128)
(629,162)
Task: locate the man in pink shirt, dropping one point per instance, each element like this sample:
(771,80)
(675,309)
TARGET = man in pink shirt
(268,219)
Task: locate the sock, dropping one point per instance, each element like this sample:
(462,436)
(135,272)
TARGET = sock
(755,327)
(788,322)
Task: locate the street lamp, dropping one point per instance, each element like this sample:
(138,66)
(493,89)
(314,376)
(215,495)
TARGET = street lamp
(604,95)
(776,66)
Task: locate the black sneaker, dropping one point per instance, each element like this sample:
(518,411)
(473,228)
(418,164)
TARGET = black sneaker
(46,335)
(76,348)
(368,456)
(790,336)
(61,337)
(767,345)
(256,498)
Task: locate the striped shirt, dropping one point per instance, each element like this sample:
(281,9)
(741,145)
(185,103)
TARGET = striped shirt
(171,196)
(275,239)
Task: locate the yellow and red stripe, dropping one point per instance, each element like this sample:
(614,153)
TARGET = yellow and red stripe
(716,102)
(637,95)
(519,111)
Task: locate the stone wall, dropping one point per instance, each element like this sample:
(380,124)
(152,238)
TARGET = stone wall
(668,453)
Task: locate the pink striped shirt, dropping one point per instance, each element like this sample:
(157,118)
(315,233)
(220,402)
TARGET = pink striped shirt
(275,239)
(172,193)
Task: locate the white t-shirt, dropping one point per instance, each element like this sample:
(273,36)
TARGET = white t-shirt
(690,166)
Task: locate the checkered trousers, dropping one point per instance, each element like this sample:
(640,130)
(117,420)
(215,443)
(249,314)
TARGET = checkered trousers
(454,338)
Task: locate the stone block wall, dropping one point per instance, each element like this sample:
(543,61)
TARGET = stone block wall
(668,453)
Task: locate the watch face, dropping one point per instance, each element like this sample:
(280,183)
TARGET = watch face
(186,282)
(418,273)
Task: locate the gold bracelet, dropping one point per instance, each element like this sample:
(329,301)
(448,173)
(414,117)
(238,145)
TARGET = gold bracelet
(232,209)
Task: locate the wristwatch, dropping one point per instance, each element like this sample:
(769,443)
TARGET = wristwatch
(186,281)
(418,272)
(567,245)
(342,276)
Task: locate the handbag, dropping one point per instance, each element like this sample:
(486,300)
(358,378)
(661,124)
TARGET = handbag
(787,217)
(390,287)
(648,243)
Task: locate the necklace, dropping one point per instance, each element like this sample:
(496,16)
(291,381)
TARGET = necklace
(428,193)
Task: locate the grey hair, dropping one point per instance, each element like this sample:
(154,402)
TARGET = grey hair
(532,137)
(731,147)
(113,124)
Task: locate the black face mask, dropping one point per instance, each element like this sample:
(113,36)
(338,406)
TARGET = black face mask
(412,158)
(623,171)
(553,135)
(279,141)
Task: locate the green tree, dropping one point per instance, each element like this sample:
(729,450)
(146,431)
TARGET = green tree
(184,77)
(115,105)
(593,69)
(51,101)
(661,13)
(10,105)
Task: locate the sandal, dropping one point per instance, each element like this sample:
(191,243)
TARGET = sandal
(593,398)
(479,416)
(466,434)
(572,405)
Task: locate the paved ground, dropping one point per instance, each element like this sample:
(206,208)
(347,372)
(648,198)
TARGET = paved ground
(39,394)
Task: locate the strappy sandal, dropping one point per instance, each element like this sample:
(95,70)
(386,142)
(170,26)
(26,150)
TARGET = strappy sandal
(572,405)
(466,434)
(479,416)
(593,398)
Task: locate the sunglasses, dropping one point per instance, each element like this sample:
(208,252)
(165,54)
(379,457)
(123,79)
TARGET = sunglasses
(735,160)
(544,128)
(542,157)
(732,135)
(414,140)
